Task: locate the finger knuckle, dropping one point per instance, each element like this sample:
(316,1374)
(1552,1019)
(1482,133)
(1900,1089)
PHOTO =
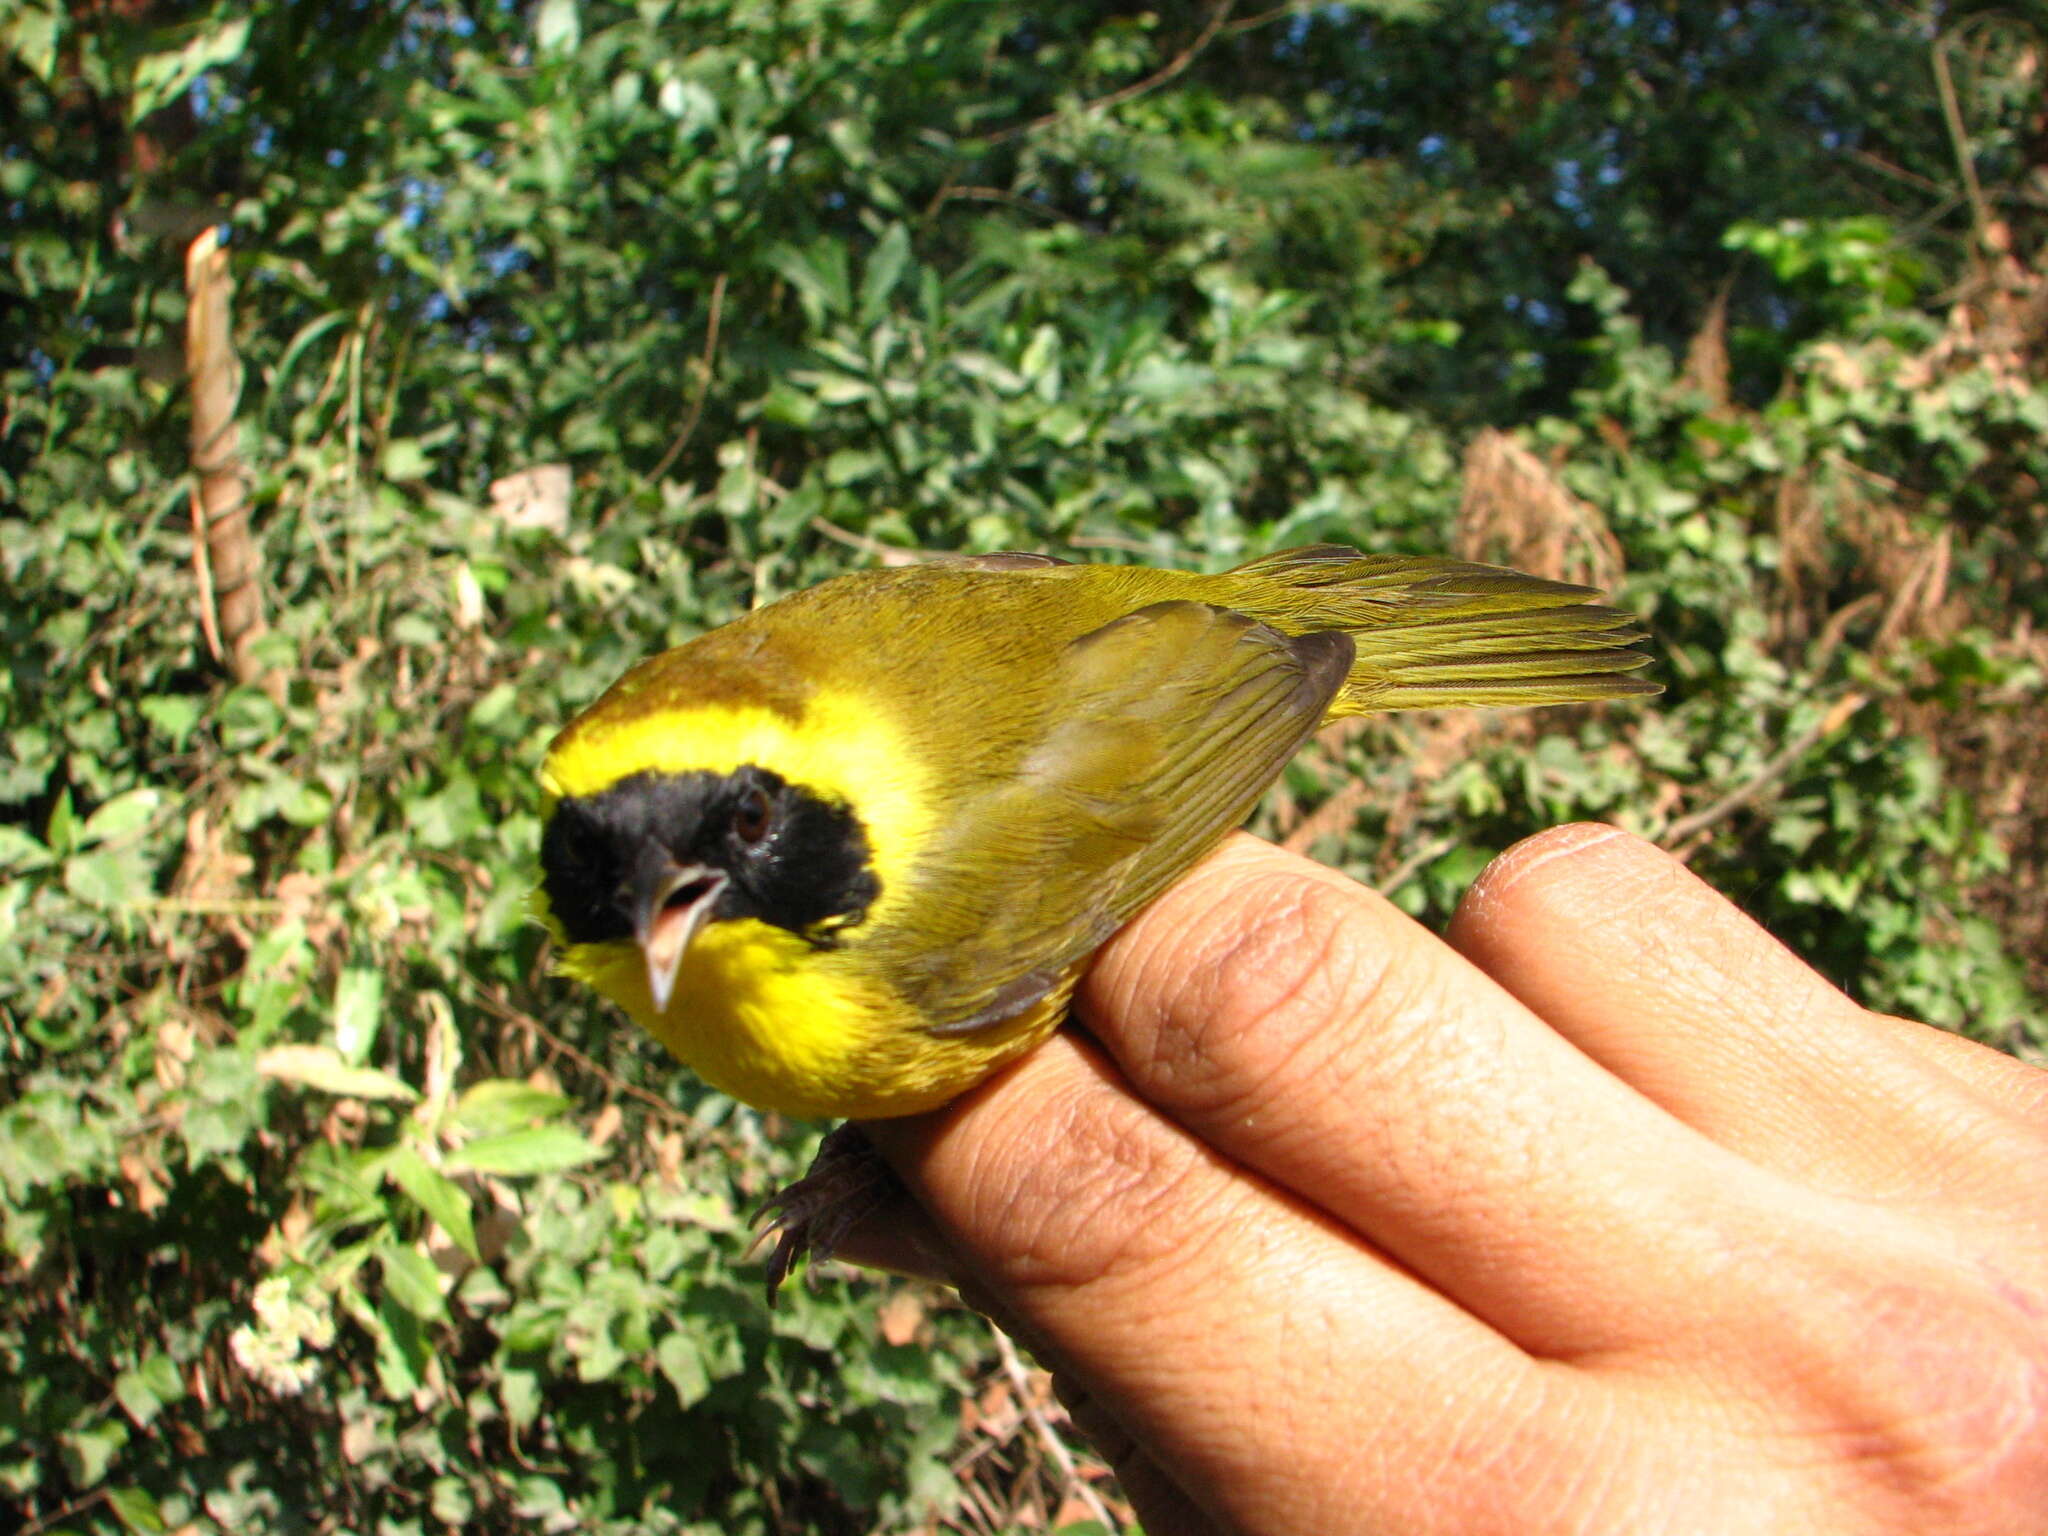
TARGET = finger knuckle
(1259,1021)
(1935,1401)
(1086,1190)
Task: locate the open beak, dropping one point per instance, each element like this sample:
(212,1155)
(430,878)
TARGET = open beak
(671,912)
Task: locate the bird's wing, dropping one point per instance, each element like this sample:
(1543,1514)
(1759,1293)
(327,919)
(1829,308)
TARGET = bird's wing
(1163,729)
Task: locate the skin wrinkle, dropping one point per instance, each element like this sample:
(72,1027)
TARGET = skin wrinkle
(1155,986)
(1581,1493)
(1376,1454)
(1507,1456)
(1313,1392)
(1824,1345)
(1293,960)
(1608,886)
(1270,1496)
(1094,1228)
(1932,1401)
(1227,1242)
(2020,1098)
(1278,1000)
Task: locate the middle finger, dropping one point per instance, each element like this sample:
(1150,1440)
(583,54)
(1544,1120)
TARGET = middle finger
(1326,1040)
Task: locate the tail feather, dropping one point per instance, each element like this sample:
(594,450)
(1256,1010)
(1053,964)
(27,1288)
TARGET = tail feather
(1582,689)
(1434,633)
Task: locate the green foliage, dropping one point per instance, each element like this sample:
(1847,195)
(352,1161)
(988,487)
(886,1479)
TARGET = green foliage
(321,1205)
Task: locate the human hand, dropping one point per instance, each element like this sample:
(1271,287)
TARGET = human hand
(1603,1213)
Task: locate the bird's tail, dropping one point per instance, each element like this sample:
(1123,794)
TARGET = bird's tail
(1432,633)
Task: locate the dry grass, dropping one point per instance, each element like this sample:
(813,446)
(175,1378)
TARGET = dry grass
(1516,511)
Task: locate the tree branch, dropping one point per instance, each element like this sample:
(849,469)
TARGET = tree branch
(1174,66)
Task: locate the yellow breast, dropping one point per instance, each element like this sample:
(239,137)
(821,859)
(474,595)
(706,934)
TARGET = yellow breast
(763,1016)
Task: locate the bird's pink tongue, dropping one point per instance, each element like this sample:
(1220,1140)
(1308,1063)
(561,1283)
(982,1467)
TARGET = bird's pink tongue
(668,935)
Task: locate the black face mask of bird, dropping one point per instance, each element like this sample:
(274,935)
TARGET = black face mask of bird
(656,857)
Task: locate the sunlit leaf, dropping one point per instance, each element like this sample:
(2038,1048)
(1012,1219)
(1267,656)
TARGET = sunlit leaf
(322,1067)
(542,1149)
(498,1104)
(436,1194)
(161,76)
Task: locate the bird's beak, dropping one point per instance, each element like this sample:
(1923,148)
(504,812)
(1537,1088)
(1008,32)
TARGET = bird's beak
(671,912)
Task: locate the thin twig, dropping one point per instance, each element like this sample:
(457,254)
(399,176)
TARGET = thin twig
(1253,23)
(888,554)
(1836,630)
(609,1078)
(990,195)
(202,571)
(1174,66)
(1952,114)
(75,1507)
(1329,818)
(1428,853)
(1884,166)
(1112,541)
(1787,758)
(695,414)
(1048,1437)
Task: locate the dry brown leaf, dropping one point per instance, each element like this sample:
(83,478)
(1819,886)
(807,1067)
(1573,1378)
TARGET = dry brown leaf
(901,1318)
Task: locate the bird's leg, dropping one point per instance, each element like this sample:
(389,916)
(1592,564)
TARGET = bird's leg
(847,1182)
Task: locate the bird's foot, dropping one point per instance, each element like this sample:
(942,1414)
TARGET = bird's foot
(847,1182)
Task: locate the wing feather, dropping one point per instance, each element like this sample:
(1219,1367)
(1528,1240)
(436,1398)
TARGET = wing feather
(1165,727)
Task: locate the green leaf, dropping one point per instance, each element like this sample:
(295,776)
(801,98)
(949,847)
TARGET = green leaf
(519,1394)
(500,1104)
(540,1501)
(411,1280)
(137,1509)
(21,852)
(690,104)
(122,816)
(850,466)
(322,1067)
(174,714)
(435,1193)
(818,272)
(160,77)
(451,1502)
(558,28)
(108,877)
(445,818)
(886,264)
(682,1362)
(88,1452)
(358,1012)
(404,460)
(62,832)
(544,1149)
(30,35)
(144,1391)
(402,1352)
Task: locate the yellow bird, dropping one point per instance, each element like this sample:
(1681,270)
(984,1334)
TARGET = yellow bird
(849,854)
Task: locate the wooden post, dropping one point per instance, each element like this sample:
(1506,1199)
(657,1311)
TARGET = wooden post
(230,591)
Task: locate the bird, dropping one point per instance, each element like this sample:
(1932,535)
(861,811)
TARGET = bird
(849,854)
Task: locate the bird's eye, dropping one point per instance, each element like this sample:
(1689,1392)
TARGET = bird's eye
(752,818)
